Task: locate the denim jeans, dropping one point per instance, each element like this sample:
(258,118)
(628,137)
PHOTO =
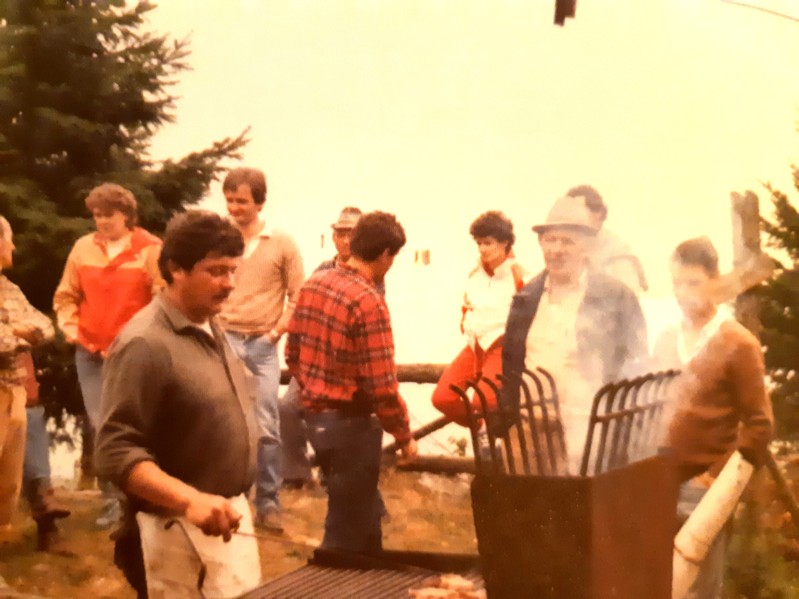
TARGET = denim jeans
(348,452)
(37,450)
(260,357)
(293,436)
(710,581)
(90,378)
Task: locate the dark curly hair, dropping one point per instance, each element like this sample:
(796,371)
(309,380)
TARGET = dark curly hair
(191,236)
(375,233)
(494,224)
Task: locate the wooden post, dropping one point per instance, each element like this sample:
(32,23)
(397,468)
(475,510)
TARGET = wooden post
(745,251)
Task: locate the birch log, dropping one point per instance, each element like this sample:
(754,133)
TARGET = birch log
(706,521)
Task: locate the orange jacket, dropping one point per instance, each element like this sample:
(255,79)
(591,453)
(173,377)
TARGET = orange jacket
(97,296)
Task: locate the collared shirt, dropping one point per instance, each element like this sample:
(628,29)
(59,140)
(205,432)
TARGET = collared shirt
(687,352)
(16,311)
(610,331)
(177,396)
(341,349)
(335,261)
(267,282)
(487,299)
(552,345)
(552,338)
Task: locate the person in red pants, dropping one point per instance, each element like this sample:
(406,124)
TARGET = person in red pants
(486,302)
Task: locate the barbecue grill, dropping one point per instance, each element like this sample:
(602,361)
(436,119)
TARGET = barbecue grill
(606,534)
(545,534)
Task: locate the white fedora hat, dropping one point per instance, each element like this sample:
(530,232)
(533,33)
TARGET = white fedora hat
(568,213)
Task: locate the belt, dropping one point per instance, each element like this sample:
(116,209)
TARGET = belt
(244,335)
(344,408)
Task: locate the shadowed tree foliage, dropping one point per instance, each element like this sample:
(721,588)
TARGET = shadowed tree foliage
(780,311)
(84,85)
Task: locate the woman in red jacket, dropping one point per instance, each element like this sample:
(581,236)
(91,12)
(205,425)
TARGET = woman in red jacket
(109,276)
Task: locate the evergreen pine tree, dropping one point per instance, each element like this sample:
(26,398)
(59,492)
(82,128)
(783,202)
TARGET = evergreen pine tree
(83,88)
(779,311)
(84,85)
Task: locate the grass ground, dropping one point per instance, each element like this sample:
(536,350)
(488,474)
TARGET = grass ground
(427,513)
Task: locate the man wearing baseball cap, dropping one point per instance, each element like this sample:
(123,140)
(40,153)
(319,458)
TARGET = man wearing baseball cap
(342,232)
(584,327)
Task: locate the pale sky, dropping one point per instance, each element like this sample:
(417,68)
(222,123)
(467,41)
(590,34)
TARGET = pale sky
(438,110)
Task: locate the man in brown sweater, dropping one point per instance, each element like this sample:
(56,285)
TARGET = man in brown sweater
(254,318)
(720,398)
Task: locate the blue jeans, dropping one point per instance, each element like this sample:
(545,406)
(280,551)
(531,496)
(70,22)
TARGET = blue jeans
(293,436)
(37,450)
(260,357)
(348,452)
(90,378)
(710,581)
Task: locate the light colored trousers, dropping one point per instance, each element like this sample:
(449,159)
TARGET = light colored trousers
(174,557)
(13,422)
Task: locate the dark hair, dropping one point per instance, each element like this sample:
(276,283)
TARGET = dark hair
(109,197)
(243,175)
(494,224)
(698,251)
(593,200)
(375,233)
(194,235)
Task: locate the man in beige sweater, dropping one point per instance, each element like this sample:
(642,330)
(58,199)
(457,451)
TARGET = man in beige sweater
(720,398)
(255,317)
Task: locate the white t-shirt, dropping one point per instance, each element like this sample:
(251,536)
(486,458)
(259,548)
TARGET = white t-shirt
(116,247)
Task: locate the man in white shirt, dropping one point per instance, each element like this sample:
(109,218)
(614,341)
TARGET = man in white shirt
(584,327)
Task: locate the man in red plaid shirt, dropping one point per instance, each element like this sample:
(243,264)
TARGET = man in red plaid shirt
(341,350)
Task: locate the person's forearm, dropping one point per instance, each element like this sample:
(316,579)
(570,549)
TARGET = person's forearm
(393,416)
(147,481)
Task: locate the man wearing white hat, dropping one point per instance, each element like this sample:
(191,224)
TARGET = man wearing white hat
(584,327)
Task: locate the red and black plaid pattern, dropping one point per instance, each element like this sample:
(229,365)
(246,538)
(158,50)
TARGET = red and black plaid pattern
(340,348)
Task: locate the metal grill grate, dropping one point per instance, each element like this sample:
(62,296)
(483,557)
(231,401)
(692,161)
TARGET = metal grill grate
(625,422)
(528,439)
(310,582)
(339,575)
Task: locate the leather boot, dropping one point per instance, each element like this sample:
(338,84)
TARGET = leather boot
(48,538)
(44,505)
